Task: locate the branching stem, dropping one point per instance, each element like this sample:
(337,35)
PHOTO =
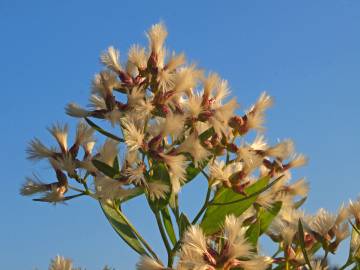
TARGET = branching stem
(203,208)
(138,235)
(164,237)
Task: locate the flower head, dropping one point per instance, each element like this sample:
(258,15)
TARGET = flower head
(60,263)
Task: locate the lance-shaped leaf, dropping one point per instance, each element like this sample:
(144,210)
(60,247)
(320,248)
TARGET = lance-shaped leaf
(219,209)
(207,134)
(302,244)
(160,173)
(137,191)
(116,164)
(102,131)
(184,223)
(266,216)
(354,227)
(253,233)
(192,171)
(104,168)
(299,203)
(168,225)
(120,225)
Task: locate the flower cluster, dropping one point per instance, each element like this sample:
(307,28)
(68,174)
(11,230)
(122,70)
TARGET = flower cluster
(172,122)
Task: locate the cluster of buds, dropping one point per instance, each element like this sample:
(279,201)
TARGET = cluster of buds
(324,230)
(64,161)
(175,122)
(176,115)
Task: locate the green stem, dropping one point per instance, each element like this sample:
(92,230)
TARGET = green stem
(76,189)
(205,174)
(277,252)
(85,186)
(138,235)
(64,199)
(102,131)
(286,255)
(323,261)
(287,265)
(176,210)
(173,252)
(203,208)
(164,238)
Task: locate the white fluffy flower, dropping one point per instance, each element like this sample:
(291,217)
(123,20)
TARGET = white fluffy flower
(136,174)
(221,116)
(55,195)
(192,105)
(148,263)
(282,150)
(60,133)
(173,125)
(64,163)
(37,150)
(110,58)
(187,78)
(60,263)
(103,83)
(133,136)
(33,186)
(138,56)
(220,172)
(193,146)
(256,263)
(75,110)
(84,133)
(108,152)
(107,188)
(194,250)
(157,190)
(234,233)
(97,102)
(316,265)
(354,209)
(157,35)
(323,222)
(177,165)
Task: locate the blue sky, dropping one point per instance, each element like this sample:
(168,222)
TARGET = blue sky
(304,53)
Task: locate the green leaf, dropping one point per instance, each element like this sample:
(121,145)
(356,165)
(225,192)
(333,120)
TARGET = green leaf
(120,225)
(102,131)
(116,164)
(160,173)
(357,267)
(266,216)
(184,223)
(136,192)
(192,171)
(253,233)
(354,227)
(168,225)
(299,203)
(215,214)
(104,168)
(315,248)
(302,244)
(207,134)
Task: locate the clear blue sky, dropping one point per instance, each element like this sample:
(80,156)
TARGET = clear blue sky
(304,53)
